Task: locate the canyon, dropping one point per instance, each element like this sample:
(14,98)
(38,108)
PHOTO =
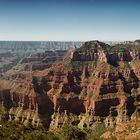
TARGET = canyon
(89,84)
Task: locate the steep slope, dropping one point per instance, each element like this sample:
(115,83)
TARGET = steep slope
(93,84)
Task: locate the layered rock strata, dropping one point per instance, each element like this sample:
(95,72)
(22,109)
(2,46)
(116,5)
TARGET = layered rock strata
(94,84)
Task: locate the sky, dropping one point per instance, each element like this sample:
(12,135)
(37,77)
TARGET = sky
(69,20)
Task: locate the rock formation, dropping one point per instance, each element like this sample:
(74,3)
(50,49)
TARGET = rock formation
(95,83)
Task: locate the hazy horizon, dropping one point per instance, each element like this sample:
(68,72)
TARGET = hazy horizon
(67,40)
(69,20)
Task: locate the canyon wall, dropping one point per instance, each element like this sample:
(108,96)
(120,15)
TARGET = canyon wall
(93,84)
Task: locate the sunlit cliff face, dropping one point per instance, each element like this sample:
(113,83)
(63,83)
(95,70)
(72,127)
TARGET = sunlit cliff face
(94,83)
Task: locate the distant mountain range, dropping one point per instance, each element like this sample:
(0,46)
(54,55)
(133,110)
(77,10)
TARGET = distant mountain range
(49,45)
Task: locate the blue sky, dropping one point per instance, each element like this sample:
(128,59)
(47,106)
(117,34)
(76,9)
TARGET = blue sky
(66,20)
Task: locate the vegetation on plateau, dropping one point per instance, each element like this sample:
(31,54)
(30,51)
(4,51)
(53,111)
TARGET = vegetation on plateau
(16,131)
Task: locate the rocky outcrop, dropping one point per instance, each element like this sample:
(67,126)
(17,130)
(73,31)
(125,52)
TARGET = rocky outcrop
(94,84)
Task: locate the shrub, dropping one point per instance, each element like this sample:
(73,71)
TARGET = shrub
(70,132)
